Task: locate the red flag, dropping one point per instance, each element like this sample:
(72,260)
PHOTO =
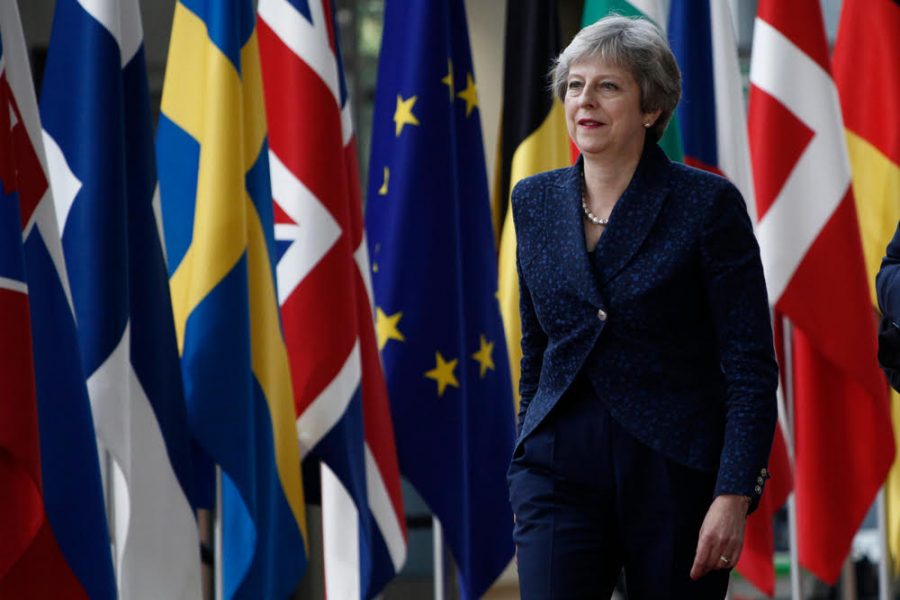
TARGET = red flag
(756,562)
(757,559)
(809,237)
(868,82)
(31,563)
(21,505)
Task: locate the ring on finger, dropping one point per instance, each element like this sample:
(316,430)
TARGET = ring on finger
(725,560)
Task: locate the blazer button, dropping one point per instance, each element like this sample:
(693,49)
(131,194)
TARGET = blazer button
(601,314)
(758,490)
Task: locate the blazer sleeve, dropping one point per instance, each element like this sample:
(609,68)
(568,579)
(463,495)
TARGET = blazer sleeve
(534,339)
(736,290)
(887,282)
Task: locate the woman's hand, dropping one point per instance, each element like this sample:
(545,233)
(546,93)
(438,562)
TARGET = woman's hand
(721,535)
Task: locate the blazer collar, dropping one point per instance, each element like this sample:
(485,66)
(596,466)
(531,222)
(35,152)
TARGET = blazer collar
(630,221)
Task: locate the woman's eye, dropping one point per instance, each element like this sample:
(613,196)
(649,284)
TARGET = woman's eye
(609,85)
(574,85)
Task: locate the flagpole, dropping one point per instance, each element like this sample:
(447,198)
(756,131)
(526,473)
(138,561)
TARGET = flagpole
(884,565)
(217,539)
(438,544)
(108,476)
(796,580)
(848,579)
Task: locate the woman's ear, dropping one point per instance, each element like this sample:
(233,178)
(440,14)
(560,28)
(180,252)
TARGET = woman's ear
(651,117)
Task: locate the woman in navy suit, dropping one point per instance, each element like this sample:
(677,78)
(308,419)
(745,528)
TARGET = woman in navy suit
(648,375)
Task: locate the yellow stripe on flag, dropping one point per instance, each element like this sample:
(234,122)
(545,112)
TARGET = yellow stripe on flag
(254,122)
(876,187)
(184,85)
(219,236)
(270,366)
(545,149)
(892,488)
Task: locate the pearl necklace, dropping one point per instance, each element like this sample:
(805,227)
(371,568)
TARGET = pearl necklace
(587,212)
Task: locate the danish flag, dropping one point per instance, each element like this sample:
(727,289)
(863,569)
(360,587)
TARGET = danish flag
(812,255)
(343,416)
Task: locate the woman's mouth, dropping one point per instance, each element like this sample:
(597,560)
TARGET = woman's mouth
(589,123)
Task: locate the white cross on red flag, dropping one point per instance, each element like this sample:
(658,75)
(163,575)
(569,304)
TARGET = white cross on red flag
(812,255)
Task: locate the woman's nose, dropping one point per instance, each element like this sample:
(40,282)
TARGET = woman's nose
(586,99)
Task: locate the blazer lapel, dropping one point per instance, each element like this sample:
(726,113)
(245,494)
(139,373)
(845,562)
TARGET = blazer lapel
(634,214)
(564,215)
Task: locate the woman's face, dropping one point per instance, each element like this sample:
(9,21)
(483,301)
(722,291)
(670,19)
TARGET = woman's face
(603,109)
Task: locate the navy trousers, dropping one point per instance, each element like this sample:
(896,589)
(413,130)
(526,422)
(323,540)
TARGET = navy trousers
(590,501)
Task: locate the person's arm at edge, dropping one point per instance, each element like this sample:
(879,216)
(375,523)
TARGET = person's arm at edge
(737,296)
(887,282)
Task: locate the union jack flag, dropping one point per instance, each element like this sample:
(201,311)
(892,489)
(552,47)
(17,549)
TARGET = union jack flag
(344,422)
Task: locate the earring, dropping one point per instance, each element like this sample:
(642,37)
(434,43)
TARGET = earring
(647,124)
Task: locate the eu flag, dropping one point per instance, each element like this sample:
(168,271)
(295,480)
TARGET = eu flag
(435,280)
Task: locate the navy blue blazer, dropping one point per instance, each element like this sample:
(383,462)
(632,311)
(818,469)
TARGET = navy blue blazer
(668,316)
(887,282)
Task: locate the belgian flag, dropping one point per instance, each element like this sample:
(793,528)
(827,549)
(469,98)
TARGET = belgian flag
(532,139)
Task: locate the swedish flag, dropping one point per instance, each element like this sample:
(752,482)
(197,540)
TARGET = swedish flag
(218,224)
(435,278)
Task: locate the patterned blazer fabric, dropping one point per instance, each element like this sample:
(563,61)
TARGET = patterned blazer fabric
(668,316)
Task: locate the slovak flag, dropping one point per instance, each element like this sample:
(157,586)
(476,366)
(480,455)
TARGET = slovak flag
(60,550)
(21,504)
(344,422)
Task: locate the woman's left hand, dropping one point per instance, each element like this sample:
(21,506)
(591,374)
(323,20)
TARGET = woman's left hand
(721,535)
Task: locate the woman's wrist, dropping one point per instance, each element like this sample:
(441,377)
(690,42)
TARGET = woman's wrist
(737,500)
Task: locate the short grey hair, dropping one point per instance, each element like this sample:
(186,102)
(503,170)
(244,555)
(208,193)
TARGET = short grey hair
(637,46)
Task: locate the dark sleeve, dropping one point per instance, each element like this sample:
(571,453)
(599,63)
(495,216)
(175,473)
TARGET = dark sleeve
(737,296)
(534,340)
(888,280)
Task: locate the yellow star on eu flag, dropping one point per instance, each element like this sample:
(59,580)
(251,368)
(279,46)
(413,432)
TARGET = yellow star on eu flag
(470,94)
(485,356)
(448,79)
(443,373)
(386,327)
(383,190)
(403,115)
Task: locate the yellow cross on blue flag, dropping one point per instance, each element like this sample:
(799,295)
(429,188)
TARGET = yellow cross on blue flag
(218,223)
(434,276)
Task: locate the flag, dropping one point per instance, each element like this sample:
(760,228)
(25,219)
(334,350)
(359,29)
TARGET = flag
(652,10)
(711,112)
(869,89)
(344,423)
(68,555)
(96,115)
(21,504)
(714,130)
(811,253)
(218,223)
(532,139)
(757,559)
(435,277)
